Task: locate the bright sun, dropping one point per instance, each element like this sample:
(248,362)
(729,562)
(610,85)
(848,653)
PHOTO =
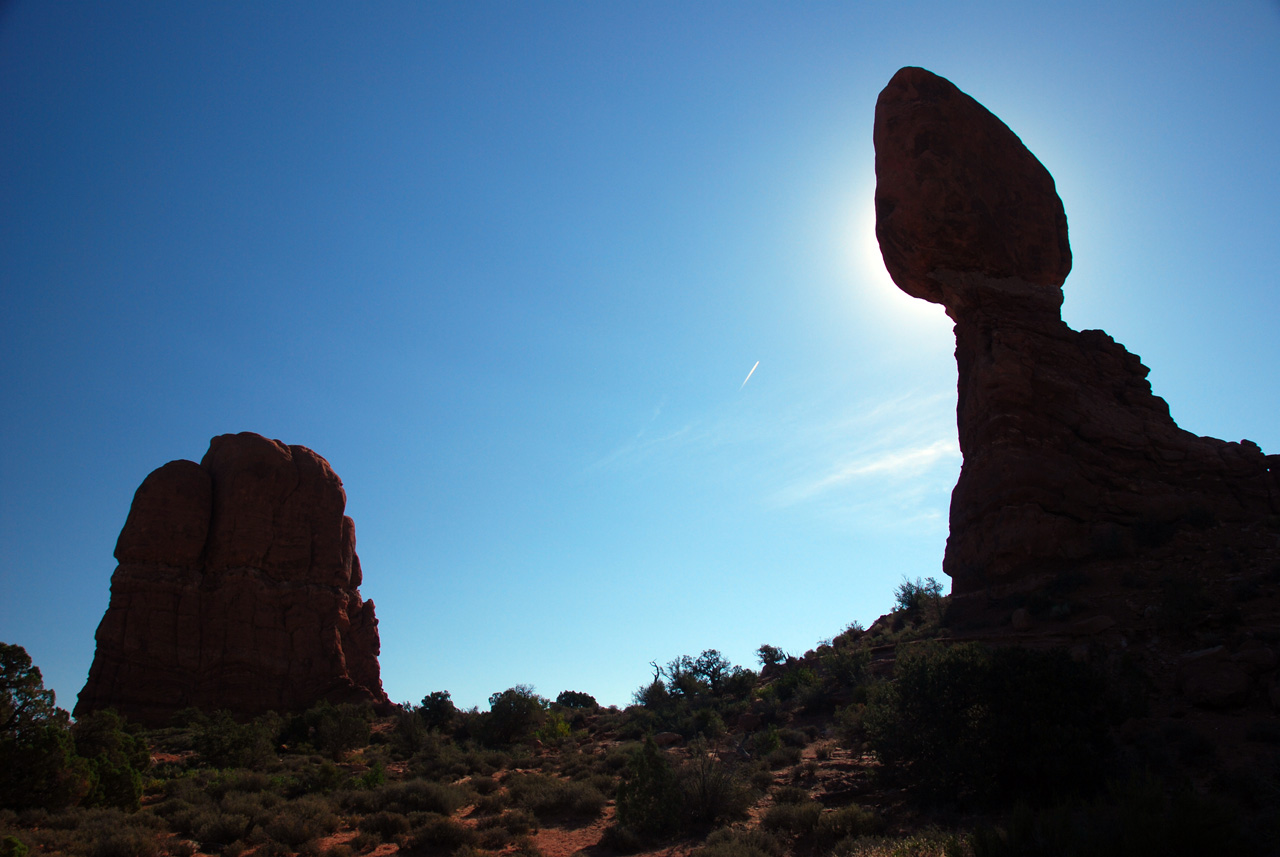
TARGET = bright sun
(876,286)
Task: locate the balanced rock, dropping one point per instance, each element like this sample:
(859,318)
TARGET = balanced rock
(1068,457)
(237,588)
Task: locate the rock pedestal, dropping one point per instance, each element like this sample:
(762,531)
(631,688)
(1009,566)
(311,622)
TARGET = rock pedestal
(1068,457)
(237,588)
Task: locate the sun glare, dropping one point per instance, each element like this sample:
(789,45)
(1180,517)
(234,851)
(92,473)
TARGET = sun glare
(876,291)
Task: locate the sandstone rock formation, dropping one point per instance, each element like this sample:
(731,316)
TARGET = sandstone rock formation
(1068,456)
(237,588)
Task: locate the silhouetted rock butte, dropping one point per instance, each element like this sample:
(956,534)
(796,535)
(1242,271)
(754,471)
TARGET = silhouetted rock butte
(1068,457)
(237,588)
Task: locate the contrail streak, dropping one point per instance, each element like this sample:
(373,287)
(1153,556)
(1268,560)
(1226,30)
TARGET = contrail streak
(749,374)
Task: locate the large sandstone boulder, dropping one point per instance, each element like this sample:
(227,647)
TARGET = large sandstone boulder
(237,588)
(1068,457)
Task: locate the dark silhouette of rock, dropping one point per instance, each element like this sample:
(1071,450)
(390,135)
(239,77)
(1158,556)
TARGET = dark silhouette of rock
(1068,456)
(237,588)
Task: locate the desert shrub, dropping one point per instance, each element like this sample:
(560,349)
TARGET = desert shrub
(247,782)
(484,785)
(213,829)
(338,850)
(849,821)
(982,726)
(758,775)
(518,822)
(648,802)
(440,835)
(622,840)
(711,791)
(410,733)
(547,796)
(12,846)
(783,757)
(795,680)
(766,741)
(918,598)
(438,710)
(728,842)
(365,842)
(491,803)
(302,820)
(420,796)
(374,777)
(116,757)
(221,742)
(849,724)
(334,730)
(790,794)
(259,807)
(928,843)
(272,848)
(1136,818)
(845,667)
(795,819)
(38,763)
(39,768)
(387,825)
(513,715)
(770,656)
(553,728)
(439,758)
(127,843)
(576,699)
(322,777)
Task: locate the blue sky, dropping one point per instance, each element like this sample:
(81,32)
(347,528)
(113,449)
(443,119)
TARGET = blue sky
(506,266)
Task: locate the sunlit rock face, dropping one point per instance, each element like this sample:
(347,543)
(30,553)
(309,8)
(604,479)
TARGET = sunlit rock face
(1068,457)
(237,588)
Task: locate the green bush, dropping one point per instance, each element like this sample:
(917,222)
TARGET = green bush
(387,825)
(127,843)
(302,820)
(437,710)
(116,757)
(1135,818)
(440,835)
(918,597)
(649,799)
(849,821)
(221,742)
(712,792)
(982,726)
(212,829)
(39,768)
(410,733)
(548,797)
(12,846)
(727,842)
(795,819)
(576,699)
(420,796)
(38,763)
(513,715)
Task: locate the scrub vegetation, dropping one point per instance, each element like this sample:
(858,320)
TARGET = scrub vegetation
(895,740)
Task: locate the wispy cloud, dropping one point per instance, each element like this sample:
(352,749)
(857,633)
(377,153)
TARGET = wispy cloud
(896,455)
(641,444)
(878,462)
(895,463)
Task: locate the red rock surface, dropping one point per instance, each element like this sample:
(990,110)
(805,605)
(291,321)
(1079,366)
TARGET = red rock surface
(1068,456)
(237,589)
